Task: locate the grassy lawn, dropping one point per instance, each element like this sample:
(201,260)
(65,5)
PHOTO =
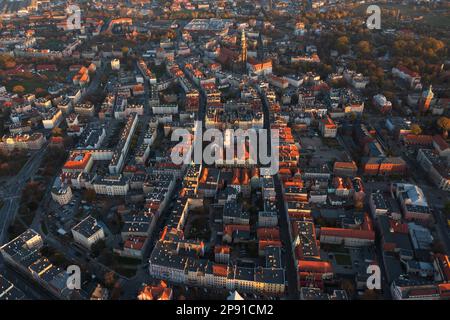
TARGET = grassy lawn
(30,85)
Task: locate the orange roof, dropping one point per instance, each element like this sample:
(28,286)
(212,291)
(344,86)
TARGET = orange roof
(84,77)
(57,139)
(345,165)
(245,177)
(204,175)
(159,292)
(421,139)
(268,233)
(398,227)
(77,160)
(229,228)
(444,289)
(235,179)
(135,243)
(268,243)
(220,270)
(315,266)
(328,122)
(222,249)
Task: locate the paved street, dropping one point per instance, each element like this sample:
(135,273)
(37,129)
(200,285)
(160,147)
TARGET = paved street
(11,191)
(290,269)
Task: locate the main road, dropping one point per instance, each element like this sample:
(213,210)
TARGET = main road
(289,261)
(10,192)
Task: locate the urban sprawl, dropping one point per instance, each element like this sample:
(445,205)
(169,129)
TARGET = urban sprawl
(90,98)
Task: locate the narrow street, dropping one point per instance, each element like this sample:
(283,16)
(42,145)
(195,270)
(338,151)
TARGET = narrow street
(290,269)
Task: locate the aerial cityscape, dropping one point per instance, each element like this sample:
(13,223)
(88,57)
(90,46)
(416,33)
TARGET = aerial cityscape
(256,150)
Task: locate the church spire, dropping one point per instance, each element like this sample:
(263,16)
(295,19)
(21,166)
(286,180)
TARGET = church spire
(244,50)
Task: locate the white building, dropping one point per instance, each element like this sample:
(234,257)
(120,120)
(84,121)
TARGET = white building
(111,185)
(115,64)
(88,232)
(61,193)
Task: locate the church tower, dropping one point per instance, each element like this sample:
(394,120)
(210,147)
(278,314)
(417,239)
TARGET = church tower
(243,51)
(425,100)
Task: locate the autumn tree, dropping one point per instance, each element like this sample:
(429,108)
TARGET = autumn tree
(444,123)
(6,61)
(342,44)
(364,47)
(18,89)
(416,129)
(57,132)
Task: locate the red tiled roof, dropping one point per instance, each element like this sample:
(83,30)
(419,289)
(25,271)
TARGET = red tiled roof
(268,233)
(220,270)
(440,142)
(315,266)
(135,243)
(348,233)
(268,243)
(407,71)
(222,249)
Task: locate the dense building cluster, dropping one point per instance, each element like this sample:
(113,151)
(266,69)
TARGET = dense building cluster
(359,132)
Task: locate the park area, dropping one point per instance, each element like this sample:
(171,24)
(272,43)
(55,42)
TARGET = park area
(197,226)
